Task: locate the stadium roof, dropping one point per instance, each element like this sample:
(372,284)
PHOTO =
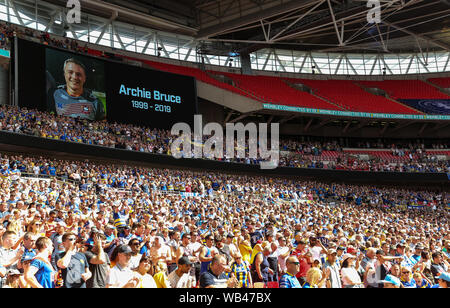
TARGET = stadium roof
(308,25)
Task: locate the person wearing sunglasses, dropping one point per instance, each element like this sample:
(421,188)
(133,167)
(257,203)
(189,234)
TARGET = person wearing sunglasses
(288,280)
(73,264)
(241,270)
(135,255)
(332,270)
(406,278)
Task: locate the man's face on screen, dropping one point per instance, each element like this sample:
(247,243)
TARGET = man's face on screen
(75,78)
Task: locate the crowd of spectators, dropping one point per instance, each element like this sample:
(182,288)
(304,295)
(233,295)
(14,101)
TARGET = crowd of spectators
(9,31)
(299,154)
(152,140)
(83,224)
(78,224)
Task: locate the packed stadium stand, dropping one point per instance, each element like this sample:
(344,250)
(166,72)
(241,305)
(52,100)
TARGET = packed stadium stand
(90,197)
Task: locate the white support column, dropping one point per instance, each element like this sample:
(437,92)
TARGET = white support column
(341,43)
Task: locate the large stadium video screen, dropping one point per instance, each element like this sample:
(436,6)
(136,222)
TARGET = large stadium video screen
(85,87)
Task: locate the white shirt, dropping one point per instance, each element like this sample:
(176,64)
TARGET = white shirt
(194,247)
(134,261)
(348,273)
(118,277)
(147,282)
(315,251)
(281,260)
(186,281)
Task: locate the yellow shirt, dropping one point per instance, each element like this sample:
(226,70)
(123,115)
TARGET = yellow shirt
(246,252)
(161,280)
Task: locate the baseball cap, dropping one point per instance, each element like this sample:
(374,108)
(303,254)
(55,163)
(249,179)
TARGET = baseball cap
(12,272)
(420,246)
(351,250)
(331,251)
(124,249)
(445,276)
(184,261)
(391,279)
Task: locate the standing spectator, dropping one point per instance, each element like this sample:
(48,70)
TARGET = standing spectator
(241,270)
(261,268)
(350,277)
(229,241)
(160,276)
(214,277)
(9,257)
(74,265)
(331,268)
(289,279)
(121,276)
(160,252)
(305,258)
(135,255)
(283,253)
(41,274)
(29,241)
(143,272)
(207,254)
(181,278)
(438,265)
(99,263)
(56,238)
(368,265)
(272,258)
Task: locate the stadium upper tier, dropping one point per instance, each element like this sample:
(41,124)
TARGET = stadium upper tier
(341,95)
(407,89)
(336,95)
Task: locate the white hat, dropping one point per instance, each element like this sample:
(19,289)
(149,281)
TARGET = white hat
(348,255)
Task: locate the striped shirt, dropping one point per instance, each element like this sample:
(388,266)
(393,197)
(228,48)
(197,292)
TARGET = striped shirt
(86,106)
(289,281)
(242,272)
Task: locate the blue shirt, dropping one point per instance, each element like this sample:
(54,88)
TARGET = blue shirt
(289,281)
(45,274)
(409,284)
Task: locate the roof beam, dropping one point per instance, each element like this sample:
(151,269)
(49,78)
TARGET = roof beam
(254,17)
(418,36)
